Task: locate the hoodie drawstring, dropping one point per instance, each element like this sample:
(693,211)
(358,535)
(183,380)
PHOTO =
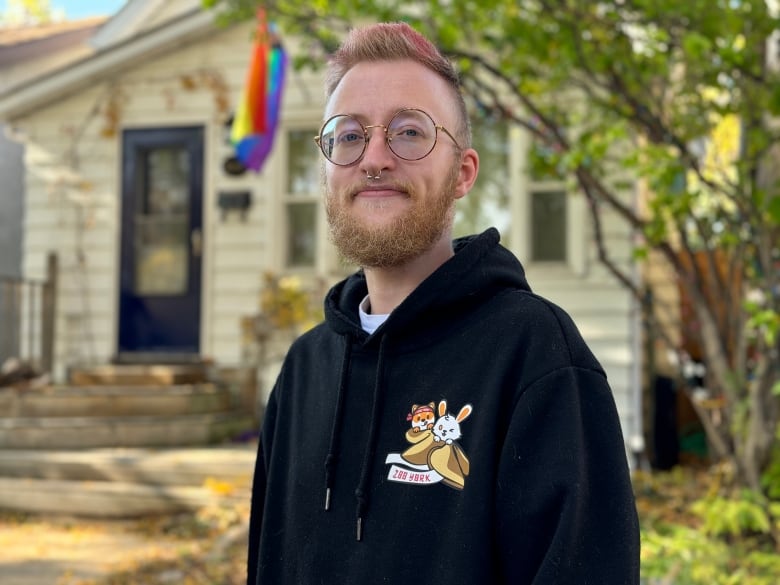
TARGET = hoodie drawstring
(361,492)
(335,432)
(331,459)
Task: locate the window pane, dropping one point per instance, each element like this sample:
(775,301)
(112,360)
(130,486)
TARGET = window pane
(162,224)
(487,204)
(548,214)
(303,177)
(301,234)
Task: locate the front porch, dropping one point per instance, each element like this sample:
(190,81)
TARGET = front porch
(128,440)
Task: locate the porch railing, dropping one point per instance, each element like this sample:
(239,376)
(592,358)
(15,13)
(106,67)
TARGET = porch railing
(27,318)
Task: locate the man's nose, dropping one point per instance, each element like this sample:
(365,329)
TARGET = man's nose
(378,155)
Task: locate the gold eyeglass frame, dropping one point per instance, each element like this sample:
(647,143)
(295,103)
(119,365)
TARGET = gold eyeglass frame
(388,139)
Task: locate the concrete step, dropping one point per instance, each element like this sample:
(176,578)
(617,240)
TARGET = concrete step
(102,499)
(135,431)
(139,374)
(182,467)
(70,401)
(121,483)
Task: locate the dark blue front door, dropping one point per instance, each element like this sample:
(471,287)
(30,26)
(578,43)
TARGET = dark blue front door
(160,275)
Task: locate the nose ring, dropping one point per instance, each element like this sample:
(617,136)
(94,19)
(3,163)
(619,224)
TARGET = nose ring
(370,177)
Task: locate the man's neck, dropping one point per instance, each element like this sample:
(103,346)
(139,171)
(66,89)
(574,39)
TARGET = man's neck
(388,287)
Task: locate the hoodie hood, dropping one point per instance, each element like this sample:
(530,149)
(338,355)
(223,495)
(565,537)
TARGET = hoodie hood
(479,268)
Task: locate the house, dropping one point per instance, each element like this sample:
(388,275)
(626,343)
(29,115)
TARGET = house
(162,248)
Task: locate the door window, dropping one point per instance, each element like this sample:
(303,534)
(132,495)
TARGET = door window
(162,223)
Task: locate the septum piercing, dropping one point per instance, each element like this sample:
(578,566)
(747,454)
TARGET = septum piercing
(370,177)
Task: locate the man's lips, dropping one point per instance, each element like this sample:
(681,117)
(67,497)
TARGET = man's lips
(380,191)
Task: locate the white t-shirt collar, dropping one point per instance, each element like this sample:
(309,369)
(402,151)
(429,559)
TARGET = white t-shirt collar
(369,322)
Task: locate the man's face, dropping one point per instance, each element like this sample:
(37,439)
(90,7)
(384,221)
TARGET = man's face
(396,218)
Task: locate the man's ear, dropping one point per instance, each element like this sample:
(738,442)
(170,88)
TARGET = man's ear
(469,169)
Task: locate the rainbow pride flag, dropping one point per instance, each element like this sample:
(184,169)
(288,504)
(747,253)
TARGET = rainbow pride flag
(257,114)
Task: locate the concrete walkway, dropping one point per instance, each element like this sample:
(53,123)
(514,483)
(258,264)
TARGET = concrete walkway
(41,551)
(118,483)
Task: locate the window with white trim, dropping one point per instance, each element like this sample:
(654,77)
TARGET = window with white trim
(301,201)
(304,229)
(549,225)
(546,206)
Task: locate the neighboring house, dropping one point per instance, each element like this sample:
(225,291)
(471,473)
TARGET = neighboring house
(11,214)
(125,176)
(26,52)
(11,206)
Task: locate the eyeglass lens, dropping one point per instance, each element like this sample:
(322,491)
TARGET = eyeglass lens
(411,135)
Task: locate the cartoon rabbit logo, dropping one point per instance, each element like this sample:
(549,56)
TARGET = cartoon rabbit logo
(434,448)
(447,458)
(447,428)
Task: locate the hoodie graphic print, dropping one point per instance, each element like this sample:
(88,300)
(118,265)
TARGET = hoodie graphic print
(472,438)
(434,455)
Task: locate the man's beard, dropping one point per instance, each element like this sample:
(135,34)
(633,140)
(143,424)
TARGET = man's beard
(398,241)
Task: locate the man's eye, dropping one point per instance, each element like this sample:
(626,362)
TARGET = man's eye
(350,137)
(407,132)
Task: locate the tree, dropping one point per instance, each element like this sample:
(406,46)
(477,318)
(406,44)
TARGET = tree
(650,87)
(26,12)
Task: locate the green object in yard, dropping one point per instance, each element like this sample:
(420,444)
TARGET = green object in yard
(695,443)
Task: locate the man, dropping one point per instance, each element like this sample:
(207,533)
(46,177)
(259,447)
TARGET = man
(444,425)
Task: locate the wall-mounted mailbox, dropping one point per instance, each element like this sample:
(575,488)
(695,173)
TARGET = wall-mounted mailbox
(234,201)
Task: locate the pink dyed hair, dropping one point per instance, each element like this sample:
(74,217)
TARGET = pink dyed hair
(388,41)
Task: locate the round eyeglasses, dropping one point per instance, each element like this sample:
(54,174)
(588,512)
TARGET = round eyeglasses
(411,134)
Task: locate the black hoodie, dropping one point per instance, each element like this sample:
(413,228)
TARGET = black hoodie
(471,439)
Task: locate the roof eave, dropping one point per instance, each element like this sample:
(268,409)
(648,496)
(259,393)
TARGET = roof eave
(39,92)
(32,49)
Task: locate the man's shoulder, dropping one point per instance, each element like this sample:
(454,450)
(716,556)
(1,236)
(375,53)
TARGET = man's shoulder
(314,340)
(313,335)
(530,304)
(528,316)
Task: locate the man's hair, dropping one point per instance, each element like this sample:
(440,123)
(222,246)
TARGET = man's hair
(389,41)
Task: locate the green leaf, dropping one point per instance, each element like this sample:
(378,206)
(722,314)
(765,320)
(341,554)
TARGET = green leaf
(696,44)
